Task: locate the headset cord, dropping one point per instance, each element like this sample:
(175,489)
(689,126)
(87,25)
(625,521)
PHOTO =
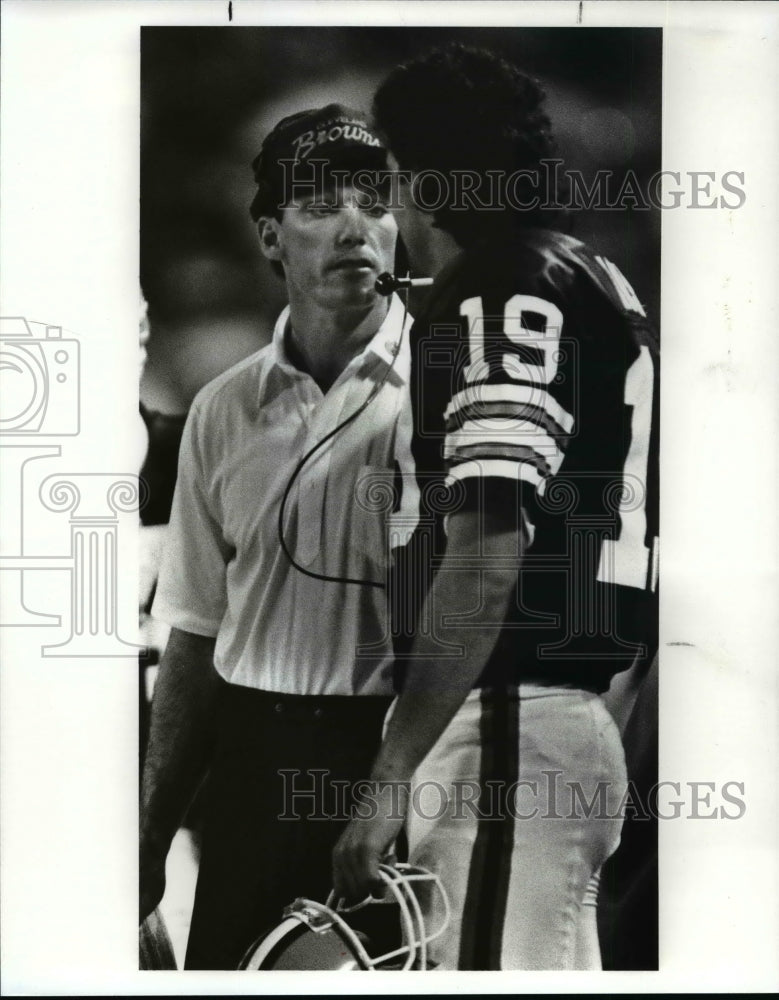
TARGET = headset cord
(320,444)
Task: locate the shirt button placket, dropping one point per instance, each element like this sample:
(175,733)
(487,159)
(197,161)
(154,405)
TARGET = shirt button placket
(312,486)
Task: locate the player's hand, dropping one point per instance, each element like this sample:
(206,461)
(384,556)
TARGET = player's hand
(366,842)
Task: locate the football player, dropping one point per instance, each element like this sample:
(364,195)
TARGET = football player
(534,390)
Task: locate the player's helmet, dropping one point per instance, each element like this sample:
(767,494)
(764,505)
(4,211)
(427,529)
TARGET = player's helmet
(385,934)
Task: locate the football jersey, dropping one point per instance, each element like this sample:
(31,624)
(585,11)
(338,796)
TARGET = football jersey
(535,384)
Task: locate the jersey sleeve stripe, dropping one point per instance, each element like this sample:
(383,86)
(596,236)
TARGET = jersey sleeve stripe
(504,392)
(502,432)
(509,413)
(515,453)
(498,467)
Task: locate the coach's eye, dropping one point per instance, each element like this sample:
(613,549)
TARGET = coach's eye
(372,206)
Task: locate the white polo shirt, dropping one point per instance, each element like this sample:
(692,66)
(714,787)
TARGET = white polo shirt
(223,572)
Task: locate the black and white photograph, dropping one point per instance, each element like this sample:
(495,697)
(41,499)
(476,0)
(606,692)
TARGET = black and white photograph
(400,612)
(346,493)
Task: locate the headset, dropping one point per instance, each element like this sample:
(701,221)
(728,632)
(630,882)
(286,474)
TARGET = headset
(386,284)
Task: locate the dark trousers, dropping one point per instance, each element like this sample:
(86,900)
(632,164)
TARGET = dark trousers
(276,801)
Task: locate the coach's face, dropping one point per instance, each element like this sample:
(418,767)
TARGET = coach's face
(333,246)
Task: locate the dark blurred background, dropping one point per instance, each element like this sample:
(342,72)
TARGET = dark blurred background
(209,95)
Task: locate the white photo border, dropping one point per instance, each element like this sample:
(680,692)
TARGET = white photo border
(69,244)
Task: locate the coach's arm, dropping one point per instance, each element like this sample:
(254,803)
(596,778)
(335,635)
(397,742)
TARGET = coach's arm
(435,688)
(180,742)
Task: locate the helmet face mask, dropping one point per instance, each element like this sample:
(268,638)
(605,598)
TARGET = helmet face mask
(375,935)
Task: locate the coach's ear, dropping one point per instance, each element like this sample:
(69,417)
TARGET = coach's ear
(270,237)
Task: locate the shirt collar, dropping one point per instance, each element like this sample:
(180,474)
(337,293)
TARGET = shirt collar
(391,337)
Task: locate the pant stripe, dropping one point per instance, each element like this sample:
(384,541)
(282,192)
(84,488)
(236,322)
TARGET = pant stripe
(505,826)
(490,869)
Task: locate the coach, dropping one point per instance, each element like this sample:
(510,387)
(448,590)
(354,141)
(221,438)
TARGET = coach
(278,670)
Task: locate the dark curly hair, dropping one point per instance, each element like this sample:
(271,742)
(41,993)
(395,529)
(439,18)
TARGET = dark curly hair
(464,109)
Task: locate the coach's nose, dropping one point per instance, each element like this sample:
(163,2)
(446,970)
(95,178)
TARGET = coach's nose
(353,229)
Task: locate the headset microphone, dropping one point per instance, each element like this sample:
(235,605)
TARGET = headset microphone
(387,283)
